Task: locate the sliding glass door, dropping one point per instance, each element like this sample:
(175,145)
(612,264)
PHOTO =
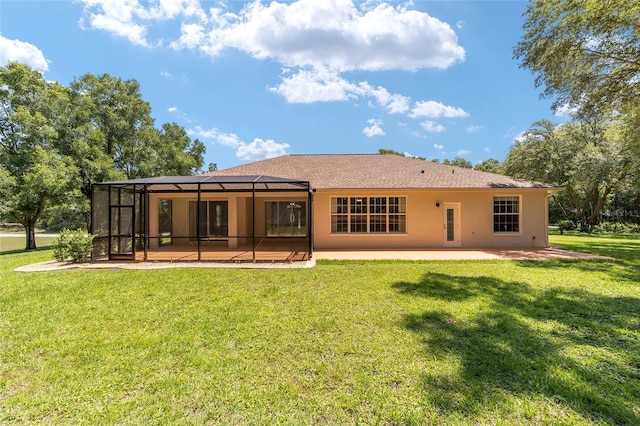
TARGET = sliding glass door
(286,218)
(214,219)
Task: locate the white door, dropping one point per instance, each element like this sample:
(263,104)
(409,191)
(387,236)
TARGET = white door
(451,224)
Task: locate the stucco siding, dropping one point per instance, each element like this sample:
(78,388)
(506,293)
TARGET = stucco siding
(425,218)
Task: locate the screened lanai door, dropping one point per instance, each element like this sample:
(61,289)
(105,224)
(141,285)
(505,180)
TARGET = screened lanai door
(122,222)
(116,216)
(121,246)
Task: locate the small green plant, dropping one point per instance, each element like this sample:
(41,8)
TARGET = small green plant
(75,244)
(566,225)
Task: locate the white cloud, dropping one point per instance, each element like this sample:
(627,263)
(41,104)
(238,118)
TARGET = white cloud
(520,137)
(395,103)
(337,34)
(23,52)
(439,147)
(115,17)
(460,24)
(462,152)
(191,38)
(318,40)
(473,129)
(260,149)
(374,128)
(434,109)
(323,84)
(333,33)
(170,9)
(566,110)
(130,19)
(172,109)
(166,74)
(229,139)
(316,85)
(432,127)
(487,149)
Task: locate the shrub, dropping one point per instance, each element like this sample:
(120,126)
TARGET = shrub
(617,227)
(73,244)
(566,225)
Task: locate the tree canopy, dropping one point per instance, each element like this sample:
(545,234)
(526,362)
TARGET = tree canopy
(56,141)
(32,174)
(458,162)
(588,159)
(385,151)
(491,165)
(115,123)
(585,53)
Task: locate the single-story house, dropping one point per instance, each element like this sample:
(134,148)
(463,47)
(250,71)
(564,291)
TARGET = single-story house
(294,204)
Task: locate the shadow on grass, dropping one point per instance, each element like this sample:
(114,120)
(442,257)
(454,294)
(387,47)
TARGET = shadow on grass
(619,246)
(17,251)
(577,349)
(625,248)
(618,270)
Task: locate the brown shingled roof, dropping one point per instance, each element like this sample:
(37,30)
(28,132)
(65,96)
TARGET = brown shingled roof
(375,171)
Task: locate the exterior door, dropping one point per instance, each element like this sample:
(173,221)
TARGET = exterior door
(121,236)
(214,220)
(451,224)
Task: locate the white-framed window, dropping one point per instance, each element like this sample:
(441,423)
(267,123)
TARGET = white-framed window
(373,215)
(506,214)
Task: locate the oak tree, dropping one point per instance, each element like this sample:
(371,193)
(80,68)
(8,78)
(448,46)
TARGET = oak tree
(32,174)
(585,53)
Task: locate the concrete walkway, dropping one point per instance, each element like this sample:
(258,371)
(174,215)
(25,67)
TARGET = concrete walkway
(456,254)
(451,254)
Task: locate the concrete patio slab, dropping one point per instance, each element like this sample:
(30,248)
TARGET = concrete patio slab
(450,254)
(456,254)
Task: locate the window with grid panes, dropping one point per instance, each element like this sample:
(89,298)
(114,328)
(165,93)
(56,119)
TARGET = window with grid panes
(376,215)
(358,214)
(506,214)
(397,214)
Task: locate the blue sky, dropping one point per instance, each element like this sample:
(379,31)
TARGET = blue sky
(254,80)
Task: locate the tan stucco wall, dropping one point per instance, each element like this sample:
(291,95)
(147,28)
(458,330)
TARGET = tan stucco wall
(425,221)
(240,213)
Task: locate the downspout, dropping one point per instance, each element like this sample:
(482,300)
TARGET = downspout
(546,216)
(253,219)
(133,225)
(109,216)
(145,218)
(91,224)
(198,224)
(310,227)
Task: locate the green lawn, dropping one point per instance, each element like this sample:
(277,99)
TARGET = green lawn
(16,244)
(476,342)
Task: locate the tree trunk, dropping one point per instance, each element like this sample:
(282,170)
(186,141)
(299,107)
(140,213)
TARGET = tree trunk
(30,231)
(559,204)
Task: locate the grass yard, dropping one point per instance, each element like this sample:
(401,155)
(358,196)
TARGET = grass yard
(17,243)
(475,342)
